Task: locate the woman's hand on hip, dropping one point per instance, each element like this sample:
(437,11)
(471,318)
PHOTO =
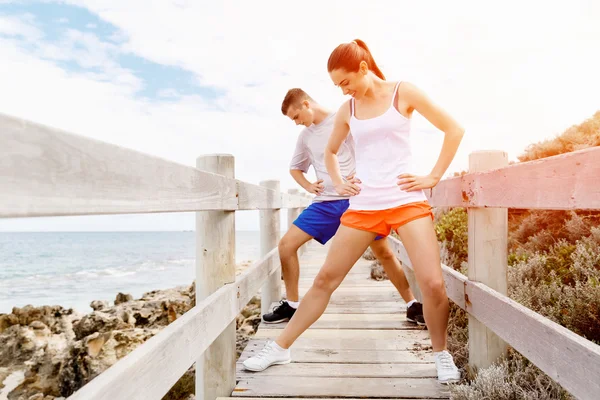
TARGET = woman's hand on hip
(349,187)
(411,183)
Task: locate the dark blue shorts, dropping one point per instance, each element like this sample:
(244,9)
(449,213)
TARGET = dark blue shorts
(321,220)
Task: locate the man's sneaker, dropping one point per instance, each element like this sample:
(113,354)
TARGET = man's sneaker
(414,313)
(283,312)
(269,355)
(446,370)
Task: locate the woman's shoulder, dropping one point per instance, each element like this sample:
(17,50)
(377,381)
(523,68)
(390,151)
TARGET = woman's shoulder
(344,111)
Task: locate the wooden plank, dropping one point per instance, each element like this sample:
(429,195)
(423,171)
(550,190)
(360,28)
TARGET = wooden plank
(48,172)
(361,317)
(355,356)
(296,398)
(408,343)
(349,334)
(389,370)
(294,200)
(562,182)
(448,193)
(355,307)
(385,288)
(341,387)
(365,294)
(322,323)
(566,357)
(256,197)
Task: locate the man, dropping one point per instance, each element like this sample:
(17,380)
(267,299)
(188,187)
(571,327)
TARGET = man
(321,219)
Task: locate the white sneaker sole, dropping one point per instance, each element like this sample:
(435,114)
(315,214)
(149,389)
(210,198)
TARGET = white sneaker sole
(416,322)
(449,381)
(276,322)
(270,365)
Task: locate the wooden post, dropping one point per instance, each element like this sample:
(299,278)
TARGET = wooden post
(215,267)
(270,227)
(488,248)
(292,214)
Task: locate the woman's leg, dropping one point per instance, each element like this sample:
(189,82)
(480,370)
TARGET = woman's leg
(419,238)
(347,246)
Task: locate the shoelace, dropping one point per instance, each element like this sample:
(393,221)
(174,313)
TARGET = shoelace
(263,353)
(445,360)
(279,306)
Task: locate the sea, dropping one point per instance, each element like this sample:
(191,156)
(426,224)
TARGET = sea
(71,269)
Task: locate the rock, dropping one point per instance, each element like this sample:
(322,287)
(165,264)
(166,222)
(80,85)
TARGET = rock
(90,357)
(95,342)
(368,255)
(38,325)
(123,298)
(39,396)
(99,321)
(377,272)
(98,305)
(246,323)
(184,386)
(54,317)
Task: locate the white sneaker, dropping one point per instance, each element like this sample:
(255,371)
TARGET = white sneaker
(446,370)
(269,355)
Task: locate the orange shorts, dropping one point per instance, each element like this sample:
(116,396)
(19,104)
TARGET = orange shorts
(383,222)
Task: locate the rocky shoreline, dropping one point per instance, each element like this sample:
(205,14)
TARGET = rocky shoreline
(48,353)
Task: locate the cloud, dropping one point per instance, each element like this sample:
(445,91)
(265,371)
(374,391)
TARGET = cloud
(19,27)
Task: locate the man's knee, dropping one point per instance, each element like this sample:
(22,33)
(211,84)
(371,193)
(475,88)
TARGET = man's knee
(287,247)
(384,254)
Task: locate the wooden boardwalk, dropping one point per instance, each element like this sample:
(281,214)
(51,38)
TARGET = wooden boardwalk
(362,347)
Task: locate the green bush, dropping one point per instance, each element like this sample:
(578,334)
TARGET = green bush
(451,230)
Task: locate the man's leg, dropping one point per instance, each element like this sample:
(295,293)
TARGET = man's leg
(392,267)
(290,267)
(320,221)
(384,254)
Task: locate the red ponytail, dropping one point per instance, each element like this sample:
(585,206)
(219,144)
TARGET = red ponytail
(348,56)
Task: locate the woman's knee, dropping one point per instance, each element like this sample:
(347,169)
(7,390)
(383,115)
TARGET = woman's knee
(326,281)
(434,288)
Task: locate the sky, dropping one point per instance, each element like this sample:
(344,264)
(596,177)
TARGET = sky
(178,79)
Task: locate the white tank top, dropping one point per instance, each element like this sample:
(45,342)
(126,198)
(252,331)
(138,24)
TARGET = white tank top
(382,151)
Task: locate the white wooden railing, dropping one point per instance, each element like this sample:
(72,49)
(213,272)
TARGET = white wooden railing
(46,172)
(564,182)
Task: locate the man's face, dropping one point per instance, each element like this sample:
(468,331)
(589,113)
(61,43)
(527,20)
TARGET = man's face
(301,114)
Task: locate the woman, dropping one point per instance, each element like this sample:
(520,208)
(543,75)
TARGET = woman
(385,194)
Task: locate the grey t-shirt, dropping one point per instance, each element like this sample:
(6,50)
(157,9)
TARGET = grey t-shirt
(310,150)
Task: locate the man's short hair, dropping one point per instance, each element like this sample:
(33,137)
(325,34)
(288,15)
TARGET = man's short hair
(294,97)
